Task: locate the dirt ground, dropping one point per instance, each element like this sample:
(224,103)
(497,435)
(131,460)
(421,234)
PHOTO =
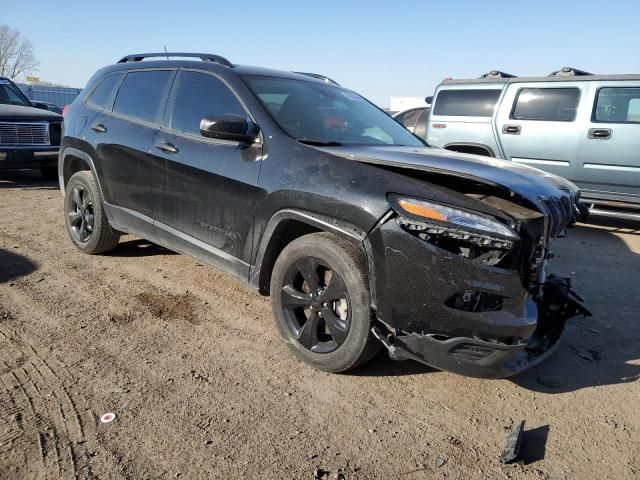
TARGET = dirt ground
(190,362)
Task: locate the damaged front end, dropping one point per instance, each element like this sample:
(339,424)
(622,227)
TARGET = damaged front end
(468,292)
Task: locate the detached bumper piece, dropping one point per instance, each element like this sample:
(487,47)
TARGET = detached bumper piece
(476,357)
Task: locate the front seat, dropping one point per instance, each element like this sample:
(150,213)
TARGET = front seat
(300,117)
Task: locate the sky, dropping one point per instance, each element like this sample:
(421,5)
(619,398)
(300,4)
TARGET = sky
(377,48)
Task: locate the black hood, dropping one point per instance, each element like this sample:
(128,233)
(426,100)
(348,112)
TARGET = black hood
(528,182)
(19,113)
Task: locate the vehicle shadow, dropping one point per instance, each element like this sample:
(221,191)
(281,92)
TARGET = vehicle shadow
(603,349)
(382,366)
(29,179)
(138,247)
(14,265)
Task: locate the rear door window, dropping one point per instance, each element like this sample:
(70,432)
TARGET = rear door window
(466,103)
(617,105)
(200,95)
(547,104)
(141,95)
(101,96)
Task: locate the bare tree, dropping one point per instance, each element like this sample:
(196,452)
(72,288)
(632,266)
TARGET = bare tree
(16,53)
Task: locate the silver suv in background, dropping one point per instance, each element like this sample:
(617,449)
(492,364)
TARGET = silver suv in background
(580,126)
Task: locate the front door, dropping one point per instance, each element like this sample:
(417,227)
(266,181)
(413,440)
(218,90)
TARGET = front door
(537,125)
(610,144)
(208,198)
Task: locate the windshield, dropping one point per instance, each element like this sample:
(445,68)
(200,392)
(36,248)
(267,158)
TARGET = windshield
(323,114)
(10,95)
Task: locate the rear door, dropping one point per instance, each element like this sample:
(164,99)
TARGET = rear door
(209,188)
(128,174)
(537,124)
(610,143)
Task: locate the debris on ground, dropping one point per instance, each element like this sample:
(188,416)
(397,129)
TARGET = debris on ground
(319,474)
(108,417)
(440,461)
(511,451)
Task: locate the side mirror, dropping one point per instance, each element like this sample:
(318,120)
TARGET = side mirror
(40,105)
(428,100)
(228,127)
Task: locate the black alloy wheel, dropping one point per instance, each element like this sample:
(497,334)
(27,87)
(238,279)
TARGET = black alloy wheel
(316,305)
(81,216)
(321,302)
(85,217)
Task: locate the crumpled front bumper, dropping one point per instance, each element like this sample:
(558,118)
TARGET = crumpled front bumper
(480,358)
(416,292)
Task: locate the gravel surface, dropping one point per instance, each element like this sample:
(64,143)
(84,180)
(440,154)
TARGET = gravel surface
(189,361)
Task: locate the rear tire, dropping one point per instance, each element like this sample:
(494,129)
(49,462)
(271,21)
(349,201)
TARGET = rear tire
(49,173)
(86,221)
(338,310)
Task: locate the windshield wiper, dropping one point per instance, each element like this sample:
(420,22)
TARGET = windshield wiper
(317,143)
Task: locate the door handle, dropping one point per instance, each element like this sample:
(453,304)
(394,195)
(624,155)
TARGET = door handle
(99,128)
(167,147)
(599,133)
(511,129)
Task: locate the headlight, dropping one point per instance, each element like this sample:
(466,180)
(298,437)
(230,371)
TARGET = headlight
(442,219)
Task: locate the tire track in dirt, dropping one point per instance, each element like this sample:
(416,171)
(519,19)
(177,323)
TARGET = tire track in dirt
(49,414)
(135,276)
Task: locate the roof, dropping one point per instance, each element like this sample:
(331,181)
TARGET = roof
(577,78)
(208,62)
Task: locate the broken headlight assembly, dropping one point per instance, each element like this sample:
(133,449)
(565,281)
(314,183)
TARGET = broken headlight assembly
(466,233)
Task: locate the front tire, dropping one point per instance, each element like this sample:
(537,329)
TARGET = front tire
(86,221)
(321,302)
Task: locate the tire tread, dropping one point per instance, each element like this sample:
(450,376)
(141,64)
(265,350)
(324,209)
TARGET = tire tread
(108,238)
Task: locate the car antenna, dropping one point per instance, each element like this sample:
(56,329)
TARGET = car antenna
(165,51)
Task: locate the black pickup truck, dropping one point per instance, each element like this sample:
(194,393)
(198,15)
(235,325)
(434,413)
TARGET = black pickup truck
(29,136)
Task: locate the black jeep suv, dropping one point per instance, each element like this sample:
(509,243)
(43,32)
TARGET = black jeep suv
(29,136)
(361,234)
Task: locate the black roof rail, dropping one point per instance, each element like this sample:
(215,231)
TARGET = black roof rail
(497,74)
(205,57)
(569,72)
(318,77)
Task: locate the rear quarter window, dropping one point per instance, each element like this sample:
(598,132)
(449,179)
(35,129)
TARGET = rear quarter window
(546,104)
(141,95)
(466,103)
(617,105)
(102,94)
